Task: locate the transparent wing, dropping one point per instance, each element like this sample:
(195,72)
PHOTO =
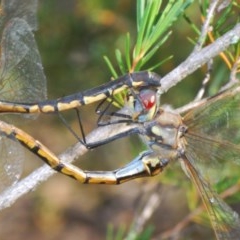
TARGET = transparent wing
(214,128)
(21,75)
(24,9)
(12,156)
(213,138)
(225,221)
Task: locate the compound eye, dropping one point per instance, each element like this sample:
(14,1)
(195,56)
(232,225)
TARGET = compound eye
(148,98)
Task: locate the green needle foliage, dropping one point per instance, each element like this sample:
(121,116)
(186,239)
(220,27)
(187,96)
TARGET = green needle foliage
(154,22)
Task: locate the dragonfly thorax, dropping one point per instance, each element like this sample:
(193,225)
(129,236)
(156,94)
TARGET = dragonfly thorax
(164,134)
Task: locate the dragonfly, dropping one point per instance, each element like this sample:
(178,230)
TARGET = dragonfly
(21,75)
(206,134)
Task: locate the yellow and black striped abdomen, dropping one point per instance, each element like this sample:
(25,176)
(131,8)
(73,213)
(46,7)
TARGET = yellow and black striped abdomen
(133,80)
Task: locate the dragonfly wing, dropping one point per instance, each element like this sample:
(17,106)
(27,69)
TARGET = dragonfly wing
(21,75)
(214,127)
(26,10)
(209,152)
(225,221)
(212,138)
(11,162)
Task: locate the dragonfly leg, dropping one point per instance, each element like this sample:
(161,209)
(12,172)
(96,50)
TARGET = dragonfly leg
(83,141)
(95,144)
(103,109)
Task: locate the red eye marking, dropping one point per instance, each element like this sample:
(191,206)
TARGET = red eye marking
(148,98)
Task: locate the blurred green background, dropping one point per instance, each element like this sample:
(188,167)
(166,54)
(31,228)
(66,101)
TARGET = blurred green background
(73,37)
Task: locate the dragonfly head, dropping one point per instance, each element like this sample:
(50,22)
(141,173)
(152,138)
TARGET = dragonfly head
(145,104)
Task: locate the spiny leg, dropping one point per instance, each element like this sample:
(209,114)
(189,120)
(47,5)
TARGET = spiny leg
(95,144)
(113,117)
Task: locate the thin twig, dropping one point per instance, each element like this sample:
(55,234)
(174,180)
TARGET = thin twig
(151,203)
(233,75)
(205,81)
(206,26)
